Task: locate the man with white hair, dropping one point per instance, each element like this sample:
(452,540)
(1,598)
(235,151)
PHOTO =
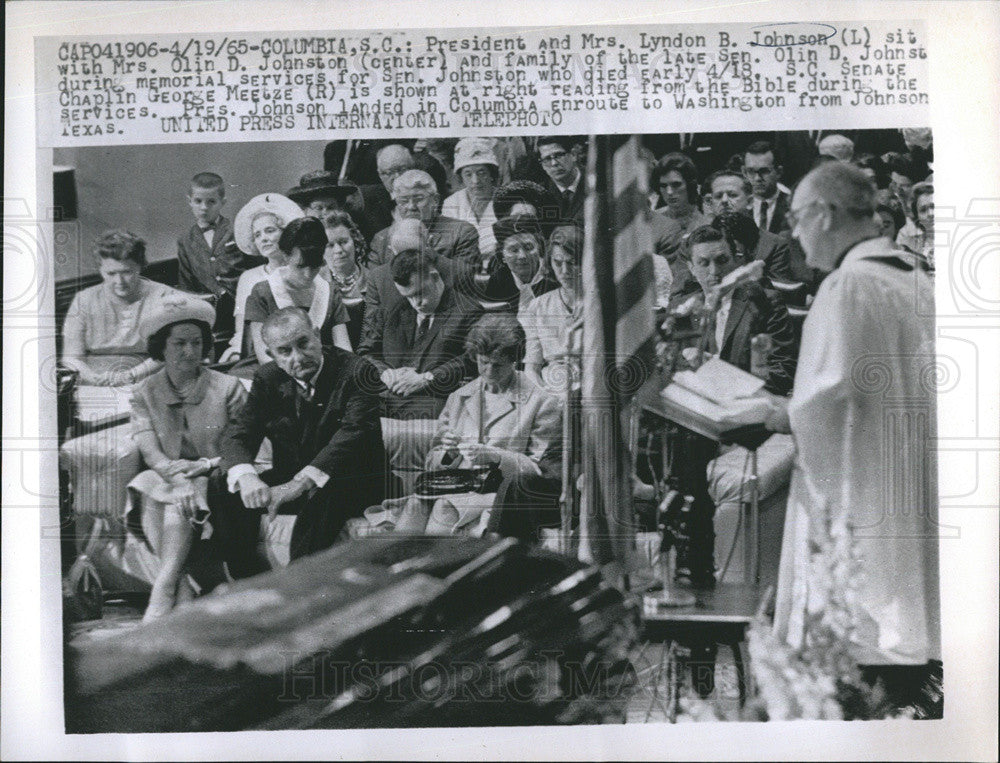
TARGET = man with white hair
(391,161)
(863,416)
(838,146)
(416,198)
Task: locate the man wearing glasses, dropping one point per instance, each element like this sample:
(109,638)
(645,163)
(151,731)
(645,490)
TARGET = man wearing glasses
(770,198)
(417,198)
(863,416)
(558,159)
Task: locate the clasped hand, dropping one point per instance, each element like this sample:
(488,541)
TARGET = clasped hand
(184,469)
(472,453)
(777,420)
(257,494)
(404,381)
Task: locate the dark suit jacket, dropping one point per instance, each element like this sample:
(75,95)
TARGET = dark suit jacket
(381,293)
(338,433)
(571,211)
(451,238)
(378,210)
(755,312)
(778,224)
(773,251)
(801,272)
(502,288)
(390,344)
(214,270)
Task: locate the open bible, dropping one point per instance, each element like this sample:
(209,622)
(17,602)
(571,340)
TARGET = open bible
(718,397)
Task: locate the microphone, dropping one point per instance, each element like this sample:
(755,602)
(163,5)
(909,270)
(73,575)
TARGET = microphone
(748,273)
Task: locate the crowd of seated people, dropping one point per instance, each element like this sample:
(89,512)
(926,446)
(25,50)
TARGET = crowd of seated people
(416,313)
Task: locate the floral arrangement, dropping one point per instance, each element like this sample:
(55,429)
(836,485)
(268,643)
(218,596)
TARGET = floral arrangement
(820,680)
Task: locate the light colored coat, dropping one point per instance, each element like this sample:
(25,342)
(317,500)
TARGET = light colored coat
(215,400)
(526,424)
(864,421)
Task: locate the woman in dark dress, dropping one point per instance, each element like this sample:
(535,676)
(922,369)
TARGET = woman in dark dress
(298,283)
(517,272)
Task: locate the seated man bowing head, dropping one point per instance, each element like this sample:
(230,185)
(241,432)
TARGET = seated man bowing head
(319,409)
(418,343)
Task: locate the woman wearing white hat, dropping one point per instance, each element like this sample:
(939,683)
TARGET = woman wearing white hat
(257,228)
(178,415)
(476,164)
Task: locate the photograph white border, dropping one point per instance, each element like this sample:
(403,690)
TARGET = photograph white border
(964,61)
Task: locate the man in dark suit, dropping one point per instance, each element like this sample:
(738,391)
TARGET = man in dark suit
(208,260)
(418,343)
(381,292)
(417,198)
(565,181)
(769,203)
(742,314)
(319,409)
(392,160)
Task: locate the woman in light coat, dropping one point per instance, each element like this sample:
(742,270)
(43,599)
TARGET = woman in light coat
(502,416)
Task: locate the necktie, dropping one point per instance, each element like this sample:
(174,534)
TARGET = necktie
(762,220)
(712,346)
(306,392)
(423,323)
(567,198)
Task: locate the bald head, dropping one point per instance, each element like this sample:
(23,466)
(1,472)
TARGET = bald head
(392,161)
(833,209)
(840,185)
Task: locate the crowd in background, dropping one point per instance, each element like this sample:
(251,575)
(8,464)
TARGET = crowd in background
(409,307)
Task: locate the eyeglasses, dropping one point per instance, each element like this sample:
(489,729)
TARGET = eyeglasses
(795,216)
(415,199)
(515,249)
(759,172)
(554,158)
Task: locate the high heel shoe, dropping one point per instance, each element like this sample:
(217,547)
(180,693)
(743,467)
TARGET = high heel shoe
(161,601)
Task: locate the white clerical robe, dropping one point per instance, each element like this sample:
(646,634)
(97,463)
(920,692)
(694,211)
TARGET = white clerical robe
(863,417)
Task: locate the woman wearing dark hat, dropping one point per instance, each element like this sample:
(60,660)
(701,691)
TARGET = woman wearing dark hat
(517,271)
(257,228)
(320,193)
(298,283)
(178,415)
(523,197)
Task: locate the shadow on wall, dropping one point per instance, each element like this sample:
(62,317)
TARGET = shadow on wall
(144,188)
